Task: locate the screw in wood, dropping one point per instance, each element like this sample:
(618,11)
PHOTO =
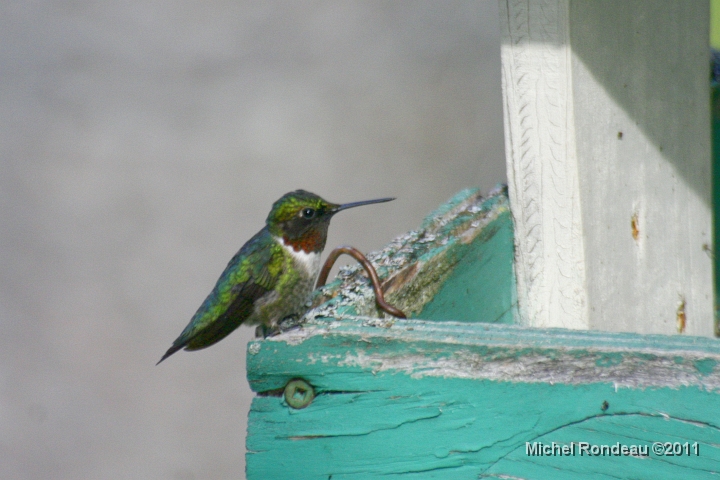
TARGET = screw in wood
(298,393)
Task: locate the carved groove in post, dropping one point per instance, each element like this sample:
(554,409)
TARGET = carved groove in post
(542,169)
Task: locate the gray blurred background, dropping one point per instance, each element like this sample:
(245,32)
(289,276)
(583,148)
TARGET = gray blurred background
(142,143)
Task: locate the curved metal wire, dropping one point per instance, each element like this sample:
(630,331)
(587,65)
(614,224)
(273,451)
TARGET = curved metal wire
(357,255)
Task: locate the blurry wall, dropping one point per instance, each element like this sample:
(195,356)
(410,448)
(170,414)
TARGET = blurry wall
(141,144)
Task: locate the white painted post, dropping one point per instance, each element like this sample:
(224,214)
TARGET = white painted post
(607,134)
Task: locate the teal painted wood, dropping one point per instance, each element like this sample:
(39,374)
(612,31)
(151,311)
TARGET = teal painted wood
(458,264)
(481,288)
(420,399)
(446,399)
(715,98)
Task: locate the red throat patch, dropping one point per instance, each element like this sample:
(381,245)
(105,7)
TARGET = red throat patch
(311,242)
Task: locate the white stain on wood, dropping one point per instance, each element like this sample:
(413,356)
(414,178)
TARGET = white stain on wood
(421,348)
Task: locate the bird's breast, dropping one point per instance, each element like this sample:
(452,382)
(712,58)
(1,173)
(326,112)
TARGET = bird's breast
(293,288)
(307,262)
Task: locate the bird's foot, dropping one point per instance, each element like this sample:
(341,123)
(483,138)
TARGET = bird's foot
(290,322)
(261,331)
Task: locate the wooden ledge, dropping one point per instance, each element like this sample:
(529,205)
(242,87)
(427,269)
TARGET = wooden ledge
(421,348)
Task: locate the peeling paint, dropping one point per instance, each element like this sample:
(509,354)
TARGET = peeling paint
(507,353)
(414,266)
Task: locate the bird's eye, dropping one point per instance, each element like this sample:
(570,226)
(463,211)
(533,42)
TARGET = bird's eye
(308,213)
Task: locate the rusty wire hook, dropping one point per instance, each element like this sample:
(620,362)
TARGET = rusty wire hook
(357,255)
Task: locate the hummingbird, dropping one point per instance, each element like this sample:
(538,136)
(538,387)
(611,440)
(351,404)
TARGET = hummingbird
(271,277)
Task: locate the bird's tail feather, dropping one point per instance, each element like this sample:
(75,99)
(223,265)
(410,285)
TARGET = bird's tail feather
(170,351)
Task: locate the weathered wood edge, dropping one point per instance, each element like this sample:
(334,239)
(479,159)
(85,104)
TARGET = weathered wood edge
(414,266)
(485,352)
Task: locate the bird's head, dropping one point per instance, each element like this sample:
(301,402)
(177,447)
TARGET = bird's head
(302,219)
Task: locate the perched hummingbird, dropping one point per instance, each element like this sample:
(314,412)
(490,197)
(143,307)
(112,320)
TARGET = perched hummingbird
(272,275)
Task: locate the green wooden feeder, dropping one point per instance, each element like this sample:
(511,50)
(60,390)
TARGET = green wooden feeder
(560,328)
(388,398)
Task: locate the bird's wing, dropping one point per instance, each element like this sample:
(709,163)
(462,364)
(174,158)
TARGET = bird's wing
(251,274)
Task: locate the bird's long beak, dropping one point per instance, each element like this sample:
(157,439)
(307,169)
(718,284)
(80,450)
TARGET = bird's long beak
(345,206)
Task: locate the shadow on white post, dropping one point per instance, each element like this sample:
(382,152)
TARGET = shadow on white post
(607,134)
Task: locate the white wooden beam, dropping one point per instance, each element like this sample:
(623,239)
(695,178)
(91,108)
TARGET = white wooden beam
(607,131)
(542,168)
